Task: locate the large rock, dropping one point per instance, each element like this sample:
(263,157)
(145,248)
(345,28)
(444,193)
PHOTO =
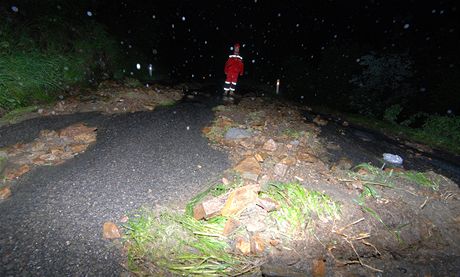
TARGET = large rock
(237,133)
(249,168)
(239,199)
(270,145)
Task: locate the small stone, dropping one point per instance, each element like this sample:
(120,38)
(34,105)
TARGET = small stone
(5,192)
(319,268)
(225,181)
(48,157)
(319,121)
(78,148)
(274,242)
(345,124)
(243,245)
(259,157)
(249,168)
(40,111)
(306,157)
(230,226)
(110,231)
(270,145)
(280,169)
(289,161)
(124,219)
(257,244)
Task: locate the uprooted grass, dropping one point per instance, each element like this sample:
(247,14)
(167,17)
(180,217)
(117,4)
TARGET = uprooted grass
(420,179)
(371,176)
(167,242)
(215,191)
(298,206)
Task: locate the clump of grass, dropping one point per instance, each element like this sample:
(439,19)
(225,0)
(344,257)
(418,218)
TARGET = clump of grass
(293,134)
(132,83)
(15,115)
(373,175)
(298,206)
(420,179)
(171,243)
(167,103)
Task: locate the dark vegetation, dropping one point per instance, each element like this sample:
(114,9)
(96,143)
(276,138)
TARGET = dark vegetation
(52,47)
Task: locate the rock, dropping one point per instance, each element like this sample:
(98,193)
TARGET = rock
(247,144)
(249,168)
(319,121)
(306,157)
(243,245)
(267,204)
(257,244)
(48,157)
(209,208)
(343,163)
(149,107)
(78,148)
(230,226)
(239,199)
(85,137)
(14,173)
(3,161)
(280,169)
(256,226)
(270,145)
(124,219)
(289,161)
(319,268)
(110,231)
(345,124)
(38,146)
(225,181)
(5,192)
(237,133)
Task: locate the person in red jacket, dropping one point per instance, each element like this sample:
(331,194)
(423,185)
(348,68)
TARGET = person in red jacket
(234,67)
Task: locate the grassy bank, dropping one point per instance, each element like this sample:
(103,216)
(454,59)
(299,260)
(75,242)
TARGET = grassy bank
(48,54)
(440,132)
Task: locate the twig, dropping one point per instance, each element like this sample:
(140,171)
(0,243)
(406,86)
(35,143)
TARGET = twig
(359,258)
(424,203)
(351,224)
(373,246)
(209,235)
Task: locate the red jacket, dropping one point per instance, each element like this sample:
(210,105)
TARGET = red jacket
(234,67)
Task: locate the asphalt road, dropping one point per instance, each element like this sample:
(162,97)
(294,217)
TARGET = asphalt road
(52,223)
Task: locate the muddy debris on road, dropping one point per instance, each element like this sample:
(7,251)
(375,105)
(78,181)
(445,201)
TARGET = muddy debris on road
(384,214)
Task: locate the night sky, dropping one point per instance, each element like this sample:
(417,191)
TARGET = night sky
(193,38)
(289,40)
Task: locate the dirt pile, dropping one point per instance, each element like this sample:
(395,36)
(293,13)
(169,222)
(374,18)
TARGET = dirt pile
(50,148)
(384,214)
